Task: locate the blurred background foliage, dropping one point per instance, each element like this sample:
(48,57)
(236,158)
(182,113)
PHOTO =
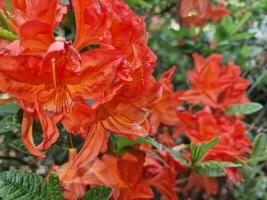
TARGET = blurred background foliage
(241,37)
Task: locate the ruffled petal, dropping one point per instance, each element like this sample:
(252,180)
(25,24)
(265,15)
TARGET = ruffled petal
(91,18)
(36,36)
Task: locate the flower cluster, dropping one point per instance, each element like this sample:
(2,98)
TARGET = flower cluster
(101,85)
(88,91)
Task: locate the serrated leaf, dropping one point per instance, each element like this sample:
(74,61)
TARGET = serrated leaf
(199,151)
(18,185)
(213,168)
(243,109)
(98,193)
(54,187)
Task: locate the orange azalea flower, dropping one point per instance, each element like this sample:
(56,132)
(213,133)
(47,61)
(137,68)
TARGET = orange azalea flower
(216,13)
(199,12)
(115,172)
(193,12)
(49,11)
(164,110)
(204,126)
(56,88)
(54,83)
(209,185)
(71,174)
(214,84)
(234,144)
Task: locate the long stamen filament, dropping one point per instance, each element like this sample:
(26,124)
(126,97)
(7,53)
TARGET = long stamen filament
(53,62)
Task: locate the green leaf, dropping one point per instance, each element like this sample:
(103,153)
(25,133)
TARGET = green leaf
(122,144)
(66,2)
(18,145)
(200,150)
(142,3)
(241,23)
(8,6)
(243,109)
(213,168)
(260,146)
(227,23)
(5,34)
(154,143)
(4,22)
(98,193)
(259,150)
(10,108)
(54,187)
(241,36)
(8,124)
(20,185)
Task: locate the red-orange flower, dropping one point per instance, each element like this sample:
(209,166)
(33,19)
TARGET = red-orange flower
(115,172)
(216,13)
(208,184)
(54,83)
(193,12)
(199,12)
(214,84)
(234,144)
(204,126)
(164,110)
(71,173)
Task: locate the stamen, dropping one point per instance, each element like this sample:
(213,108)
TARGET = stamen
(53,62)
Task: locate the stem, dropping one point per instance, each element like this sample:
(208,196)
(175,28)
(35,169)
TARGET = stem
(70,141)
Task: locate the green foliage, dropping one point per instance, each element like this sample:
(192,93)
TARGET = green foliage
(8,109)
(228,30)
(98,193)
(243,109)
(208,168)
(142,3)
(8,124)
(199,151)
(18,145)
(259,151)
(54,187)
(25,185)
(122,144)
(8,6)
(213,168)
(254,185)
